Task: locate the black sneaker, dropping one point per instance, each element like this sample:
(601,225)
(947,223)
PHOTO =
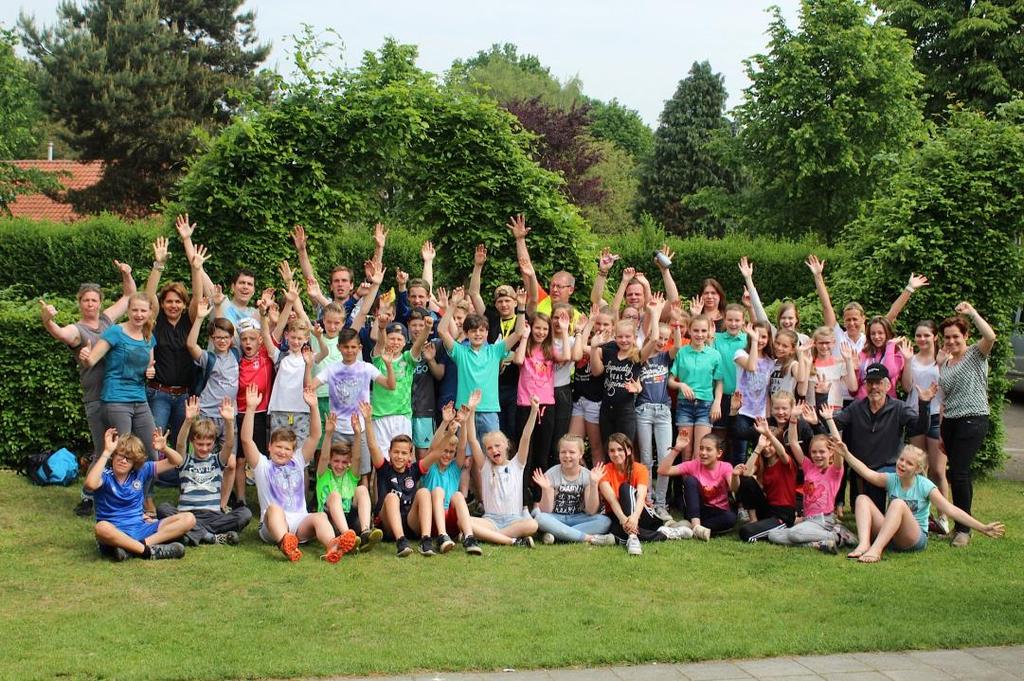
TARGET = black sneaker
(402,548)
(84,508)
(165,551)
(427,547)
(237,503)
(445,544)
(472,546)
(230,538)
(119,555)
(524,542)
(369,538)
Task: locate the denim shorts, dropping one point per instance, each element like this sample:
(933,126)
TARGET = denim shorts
(693,412)
(920,545)
(503,520)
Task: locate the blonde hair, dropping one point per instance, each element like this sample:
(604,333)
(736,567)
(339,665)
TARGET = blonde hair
(497,434)
(147,326)
(570,438)
(297,326)
(922,458)
(821,333)
(203,428)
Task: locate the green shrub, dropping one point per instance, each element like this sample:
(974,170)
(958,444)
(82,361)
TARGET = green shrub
(51,257)
(40,396)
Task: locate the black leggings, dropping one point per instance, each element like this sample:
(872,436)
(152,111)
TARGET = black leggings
(962,438)
(647,525)
(715,519)
(619,418)
(540,446)
(751,497)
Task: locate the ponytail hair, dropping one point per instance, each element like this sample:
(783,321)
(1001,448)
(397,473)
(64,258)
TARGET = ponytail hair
(147,326)
(627,444)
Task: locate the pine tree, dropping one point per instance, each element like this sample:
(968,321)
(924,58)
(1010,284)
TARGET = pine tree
(133,80)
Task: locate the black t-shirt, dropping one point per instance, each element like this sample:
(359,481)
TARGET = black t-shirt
(496,328)
(403,484)
(173,363)
(618,372)
(584,384)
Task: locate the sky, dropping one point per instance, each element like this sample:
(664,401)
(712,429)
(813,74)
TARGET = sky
(635,51)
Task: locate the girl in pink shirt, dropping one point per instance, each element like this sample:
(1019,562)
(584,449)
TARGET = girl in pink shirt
(536,356)
(707,482)
(882,348)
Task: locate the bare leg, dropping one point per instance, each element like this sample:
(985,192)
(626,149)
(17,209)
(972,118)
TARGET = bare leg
(485,530)
(361,500)
(684,442)
(239,480)
(520,528)
(869,518)
(596,443)
(277,524)
(318,525)
(171,528)
(458,502)
(898,526)
(108,535)
(336,512)
(437,506)
(227,484)
(420,513)
(391,512)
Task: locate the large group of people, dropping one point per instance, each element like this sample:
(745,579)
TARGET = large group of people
(425,417)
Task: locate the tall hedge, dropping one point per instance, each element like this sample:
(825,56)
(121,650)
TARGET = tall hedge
(383,143)
(956,213)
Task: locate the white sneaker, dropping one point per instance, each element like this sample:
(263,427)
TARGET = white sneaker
(943,523)
(701,532)
(547,538)
(662,513)
(633,547)
(602,540)
(676,532)
(682,522)
(742,516)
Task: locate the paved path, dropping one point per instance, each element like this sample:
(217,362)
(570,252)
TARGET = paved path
(972,664)
(1013,419)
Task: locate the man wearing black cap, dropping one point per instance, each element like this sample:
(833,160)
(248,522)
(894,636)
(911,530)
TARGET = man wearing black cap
(873,428)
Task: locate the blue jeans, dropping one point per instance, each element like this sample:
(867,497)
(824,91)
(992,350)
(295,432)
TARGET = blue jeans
(487,422)
(572,527)
(168,412)
(743,433)
(654,422)
(693,412)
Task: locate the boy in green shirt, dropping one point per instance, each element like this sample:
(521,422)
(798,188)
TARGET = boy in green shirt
(338,492)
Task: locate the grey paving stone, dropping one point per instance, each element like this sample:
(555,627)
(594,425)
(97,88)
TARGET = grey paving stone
(529,675)
(711,671)
(956,663)
(802,677)
(855,676)
(1008,658)
(644,672)
(920,674)
(773,667)
(883,662)
(824,664)
(449,676)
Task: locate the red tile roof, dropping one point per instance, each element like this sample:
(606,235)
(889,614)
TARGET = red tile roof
(41,207)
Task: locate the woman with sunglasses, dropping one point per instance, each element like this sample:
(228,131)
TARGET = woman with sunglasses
(92,322)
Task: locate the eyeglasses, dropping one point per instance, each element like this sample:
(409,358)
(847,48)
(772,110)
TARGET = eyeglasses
(123,457)
(220,338)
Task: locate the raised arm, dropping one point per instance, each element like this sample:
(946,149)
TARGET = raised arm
(444,328)
(479,259)
(750,362)
(793,436)
(817,268)
(300,241)
(160,254)
(654,306)
(471,438)
(988,335)
(945,507)
(330,423)
(671,291)
(120,306)
(529,275)
(253,397)
(380,239)
(523,452)
(90,355)
(376,276)
(421,338)
(315,427)
(427,253)
(547,492)
(592,493)
(68,335)
(192,342)
(172,459)
(747,270)
(191,412)
(94,478)
(604,266)
(227,414)
(916,281)
(185,230)
(839,448)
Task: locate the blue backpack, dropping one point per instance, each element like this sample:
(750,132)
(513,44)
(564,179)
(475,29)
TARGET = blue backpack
(58,468)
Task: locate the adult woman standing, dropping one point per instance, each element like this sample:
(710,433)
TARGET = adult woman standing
(175,370)
(963,377)
(86,331)
(128,349)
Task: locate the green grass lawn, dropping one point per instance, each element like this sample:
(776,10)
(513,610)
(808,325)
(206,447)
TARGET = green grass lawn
(245,612)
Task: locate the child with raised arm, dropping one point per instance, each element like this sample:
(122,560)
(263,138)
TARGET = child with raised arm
(823,472)
(218,368)
(904,525)
(403,510)
(338,492)
(707,482)
(202,472)
(767,488)
(121,529)
(284,520)
(429,371)
(287,408)
(392,408)
(254,368)
(505,520)
(570,504)
(451,513)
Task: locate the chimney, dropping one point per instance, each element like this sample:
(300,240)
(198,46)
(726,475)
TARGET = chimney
(49,151)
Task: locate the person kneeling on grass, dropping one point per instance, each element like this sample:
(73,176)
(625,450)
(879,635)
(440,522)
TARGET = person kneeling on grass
(121,529)
(451,513)
(201,475)
(505,520)
(570,501)
(338,492)
(284,520)
(904,525)
(624,490)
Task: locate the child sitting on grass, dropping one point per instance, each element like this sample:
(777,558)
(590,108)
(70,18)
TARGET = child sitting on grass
(338,492)
(284,520)
(707,482)
(569,509)
(904,525)
(768,488)
(451,513)
(201,475)
(121,530)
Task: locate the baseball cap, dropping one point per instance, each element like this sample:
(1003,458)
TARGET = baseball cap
(876,372)
(505,291)
(248,324)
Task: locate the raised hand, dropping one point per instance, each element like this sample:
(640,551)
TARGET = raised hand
(313,286)
(366,410)
(965,308)
(827,411)
(253,397)
(540,479)
(845,350)
(526,267)
(110,440)
(479,255)
(642,278)
(159,439)
(761,425)
(160,252)
(474,398)
(192,407)
(292,294)
(218,295)
(331,422)
(517,225)
(401,277)
(357,423)
(597,473)
(199,257)
(697,306)
(309,397)
(184,227)
(657,301)
(917,281)
(822,385)
(427,251)
(286,272)
(299,237)
(745,298)
(380,235)
(667,252)
(607,260)
(458,295)
(429,351)
(227,409)
(124,268)
(906,348)
(928,394)
(816,266)
(46,312)
(746,268)
(448,412)
(628,273)
(521,297)
(442,297)
(203,308)
(807,411)
(307,355)
(376,272)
